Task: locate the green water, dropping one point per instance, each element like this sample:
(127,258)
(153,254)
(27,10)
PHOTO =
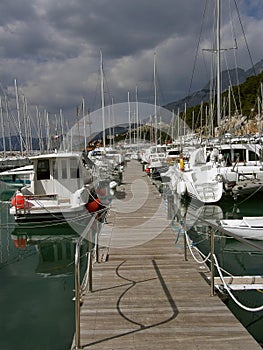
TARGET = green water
(36,287)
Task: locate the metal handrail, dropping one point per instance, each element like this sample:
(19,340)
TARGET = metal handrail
(216,228)
(78,289)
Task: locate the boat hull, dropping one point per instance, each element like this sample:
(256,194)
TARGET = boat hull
(250,228)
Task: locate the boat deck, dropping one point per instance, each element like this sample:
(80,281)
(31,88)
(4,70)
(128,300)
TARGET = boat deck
(145,295)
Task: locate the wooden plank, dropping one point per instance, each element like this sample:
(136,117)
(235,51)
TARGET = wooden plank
(146,296)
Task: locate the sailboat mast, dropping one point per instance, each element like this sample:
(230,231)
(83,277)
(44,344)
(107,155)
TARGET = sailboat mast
(84,122)
(8,123)
(218,55)
(18,117)
(2,127)
(129,117)
(155,99)
(137,116)
(102,100)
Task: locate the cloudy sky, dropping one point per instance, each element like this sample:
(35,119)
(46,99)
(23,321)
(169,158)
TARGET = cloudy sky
(52,48)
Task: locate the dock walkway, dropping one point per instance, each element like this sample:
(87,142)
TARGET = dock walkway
(145,295)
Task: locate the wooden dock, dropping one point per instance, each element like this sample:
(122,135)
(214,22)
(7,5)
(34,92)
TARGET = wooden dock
(145,295)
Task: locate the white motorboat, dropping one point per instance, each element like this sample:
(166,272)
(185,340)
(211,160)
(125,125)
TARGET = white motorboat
(109,163)
(157,151)
(13,161)
(237,163)
(248,227)
(62,188)
(13,179)
(18,177)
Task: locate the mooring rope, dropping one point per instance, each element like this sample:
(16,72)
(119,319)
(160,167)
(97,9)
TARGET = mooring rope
(256,309)
(190,246)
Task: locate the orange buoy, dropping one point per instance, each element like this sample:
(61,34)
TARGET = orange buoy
(20,242)
(93,205)
(18,201)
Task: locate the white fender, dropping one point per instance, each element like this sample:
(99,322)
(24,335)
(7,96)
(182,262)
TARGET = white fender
(181,187)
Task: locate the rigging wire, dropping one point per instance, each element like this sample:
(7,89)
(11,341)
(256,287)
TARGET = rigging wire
(235,58)
(197,50)
(245,38)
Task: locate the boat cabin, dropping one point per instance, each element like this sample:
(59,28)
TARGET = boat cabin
(59,174)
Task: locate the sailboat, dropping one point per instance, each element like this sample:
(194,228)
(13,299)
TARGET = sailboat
(194,177)
(219,168)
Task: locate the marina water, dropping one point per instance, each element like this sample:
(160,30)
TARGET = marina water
(37,278)
(236,258)
(37,283)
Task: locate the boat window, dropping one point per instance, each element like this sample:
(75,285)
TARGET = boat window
(96,153)
(55,169)
(43,171)
(74,168)
(227,157)
(239,155)
(252,156)
(174,153)
(64,169)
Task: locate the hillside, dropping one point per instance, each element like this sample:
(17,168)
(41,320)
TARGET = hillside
(203,95)
(244,118)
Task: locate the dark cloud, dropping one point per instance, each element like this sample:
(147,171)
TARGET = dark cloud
(13,11)
(52,47)
(122,27)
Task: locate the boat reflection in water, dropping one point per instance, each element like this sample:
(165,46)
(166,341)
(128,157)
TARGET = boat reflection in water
(37,278)
(235,257)
(55,252)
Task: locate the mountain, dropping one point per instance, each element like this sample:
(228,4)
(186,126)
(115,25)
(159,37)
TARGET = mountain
(203,95)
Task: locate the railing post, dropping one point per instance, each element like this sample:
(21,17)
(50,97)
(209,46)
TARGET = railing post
(212,266)
(97,242)
(77,298)
(170,202)
(91,241)
(185,243)
(90,271)
(86,232)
